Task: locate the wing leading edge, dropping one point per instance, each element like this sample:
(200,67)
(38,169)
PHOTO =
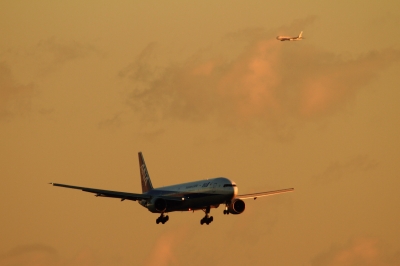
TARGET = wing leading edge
(118,194)
(107,193)
(263,194)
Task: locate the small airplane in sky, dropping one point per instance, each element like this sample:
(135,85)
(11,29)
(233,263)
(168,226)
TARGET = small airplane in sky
(287,38)
(192,196)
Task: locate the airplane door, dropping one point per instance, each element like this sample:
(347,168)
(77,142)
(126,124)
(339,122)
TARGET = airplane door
(214,187)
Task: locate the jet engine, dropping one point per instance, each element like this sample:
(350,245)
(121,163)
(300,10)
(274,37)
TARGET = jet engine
(157,205)
(237,206)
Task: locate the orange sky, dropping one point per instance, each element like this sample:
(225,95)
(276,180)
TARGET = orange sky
(203,90)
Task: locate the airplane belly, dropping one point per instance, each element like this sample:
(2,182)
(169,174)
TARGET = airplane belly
(196,203)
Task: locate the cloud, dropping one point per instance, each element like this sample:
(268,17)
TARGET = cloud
(336,170)
(52,53)
(261,80)
(47,56)
(42,255)
(358,252)
(141,69)
(114,121)
(32,255)
(163,252)
(15,99)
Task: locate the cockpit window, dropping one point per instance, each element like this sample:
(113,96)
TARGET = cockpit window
(230,185)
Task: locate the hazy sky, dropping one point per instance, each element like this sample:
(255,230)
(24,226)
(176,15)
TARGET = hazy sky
(203,90)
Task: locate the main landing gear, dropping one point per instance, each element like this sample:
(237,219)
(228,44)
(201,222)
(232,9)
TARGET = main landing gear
(207,219)
(162,219)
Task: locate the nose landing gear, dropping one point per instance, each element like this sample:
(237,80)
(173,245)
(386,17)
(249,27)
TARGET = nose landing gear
(226,211)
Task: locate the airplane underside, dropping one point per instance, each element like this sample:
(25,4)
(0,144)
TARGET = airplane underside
(196,204)
(192,202)
(207,219)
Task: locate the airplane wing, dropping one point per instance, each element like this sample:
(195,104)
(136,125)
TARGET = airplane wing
(108,193)
(263,194)
(118,194)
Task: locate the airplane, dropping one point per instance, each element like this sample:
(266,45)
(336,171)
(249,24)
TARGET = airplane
(192,196)
(287,38)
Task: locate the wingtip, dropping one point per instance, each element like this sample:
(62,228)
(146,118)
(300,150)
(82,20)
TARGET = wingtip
(51,183)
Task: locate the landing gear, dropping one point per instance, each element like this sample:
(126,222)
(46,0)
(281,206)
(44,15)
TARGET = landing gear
(162,219)
(226,211)
(207,219)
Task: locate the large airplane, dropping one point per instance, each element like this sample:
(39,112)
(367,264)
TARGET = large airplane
(287,38)
(192,196)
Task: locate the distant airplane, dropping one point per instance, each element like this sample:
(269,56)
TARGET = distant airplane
(287,38)
(192,196)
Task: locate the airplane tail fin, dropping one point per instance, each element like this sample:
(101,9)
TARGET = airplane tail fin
(144,175)
(301,35)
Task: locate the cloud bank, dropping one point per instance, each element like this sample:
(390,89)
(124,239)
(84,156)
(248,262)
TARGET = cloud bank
(337,170)
(164,250)
(267,81)
(43,255)
(358,252)
(15,99)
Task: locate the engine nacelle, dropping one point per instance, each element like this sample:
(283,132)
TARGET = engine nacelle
(157,205)
(237,206)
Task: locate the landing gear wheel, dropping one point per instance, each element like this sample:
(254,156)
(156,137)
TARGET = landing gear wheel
(165,219)
(226,211)
(162,219)
(206,219)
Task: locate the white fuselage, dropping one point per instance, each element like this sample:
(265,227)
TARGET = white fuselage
(287,38)
(196,195)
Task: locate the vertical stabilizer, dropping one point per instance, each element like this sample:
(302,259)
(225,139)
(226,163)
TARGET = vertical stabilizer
(144,175)
(300,35)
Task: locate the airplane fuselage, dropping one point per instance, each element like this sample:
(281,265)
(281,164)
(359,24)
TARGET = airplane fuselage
(195,195)
(285,38)
(288,38)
